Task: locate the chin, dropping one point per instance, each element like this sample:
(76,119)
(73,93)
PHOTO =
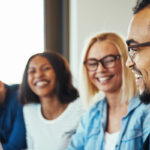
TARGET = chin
(145,95)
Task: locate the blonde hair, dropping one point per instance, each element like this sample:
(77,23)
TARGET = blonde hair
(87,89)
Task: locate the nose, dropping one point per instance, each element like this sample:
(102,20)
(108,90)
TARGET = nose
(100,68)
(38,73)
(130,63)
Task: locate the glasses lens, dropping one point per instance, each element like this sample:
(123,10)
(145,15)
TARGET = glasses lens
(109,61)
(91,65)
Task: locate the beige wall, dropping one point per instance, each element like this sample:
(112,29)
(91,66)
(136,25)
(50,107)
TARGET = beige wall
(88,17)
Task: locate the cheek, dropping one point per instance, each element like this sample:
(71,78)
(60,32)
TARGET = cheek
(91,76)
(117,70)
(29,80)
(142,59)
(143,64)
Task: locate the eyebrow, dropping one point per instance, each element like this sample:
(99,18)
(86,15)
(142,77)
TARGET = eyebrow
(131,41)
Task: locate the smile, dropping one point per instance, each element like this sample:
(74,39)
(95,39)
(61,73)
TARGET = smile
(41,83)
(104,79)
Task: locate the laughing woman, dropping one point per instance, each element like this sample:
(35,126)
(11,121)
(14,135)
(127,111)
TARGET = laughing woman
(51,109)
(119,121)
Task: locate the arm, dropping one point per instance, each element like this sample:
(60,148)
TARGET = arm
(16,139)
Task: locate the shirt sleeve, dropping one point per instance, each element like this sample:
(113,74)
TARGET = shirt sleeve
(17,140)
(146,123)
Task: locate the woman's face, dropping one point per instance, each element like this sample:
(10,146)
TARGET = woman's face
(109,79)
(41,76)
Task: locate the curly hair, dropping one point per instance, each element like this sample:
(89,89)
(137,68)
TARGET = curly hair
(65,90)
(140,4)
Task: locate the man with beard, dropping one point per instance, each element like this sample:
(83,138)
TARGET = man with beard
(139,51)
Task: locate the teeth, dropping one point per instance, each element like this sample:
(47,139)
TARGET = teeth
(103,79)
(41,83)
(137,76)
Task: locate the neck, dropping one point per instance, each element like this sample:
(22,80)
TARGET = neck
(116,111)
(114,98)
(52,107)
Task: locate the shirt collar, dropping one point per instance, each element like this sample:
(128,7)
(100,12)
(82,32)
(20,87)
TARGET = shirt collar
(134,102)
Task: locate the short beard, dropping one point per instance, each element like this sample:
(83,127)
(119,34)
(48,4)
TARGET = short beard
(145,96)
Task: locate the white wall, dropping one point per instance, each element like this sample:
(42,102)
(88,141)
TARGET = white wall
(88,17)
(21,35)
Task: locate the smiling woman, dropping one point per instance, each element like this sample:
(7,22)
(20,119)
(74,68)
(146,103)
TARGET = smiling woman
(50,102)
(119,120)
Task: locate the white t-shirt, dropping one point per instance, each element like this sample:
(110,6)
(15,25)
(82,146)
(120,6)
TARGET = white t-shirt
(54,134)
(110,140)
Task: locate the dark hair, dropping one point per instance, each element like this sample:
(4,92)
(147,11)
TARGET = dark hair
(140,4)
(65,90)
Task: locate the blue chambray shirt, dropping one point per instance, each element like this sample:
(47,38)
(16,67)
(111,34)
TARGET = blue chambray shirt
(135,128)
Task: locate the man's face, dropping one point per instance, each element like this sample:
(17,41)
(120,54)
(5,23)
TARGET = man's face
(139,60)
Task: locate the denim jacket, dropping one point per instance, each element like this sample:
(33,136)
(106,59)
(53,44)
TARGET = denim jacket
(135,128)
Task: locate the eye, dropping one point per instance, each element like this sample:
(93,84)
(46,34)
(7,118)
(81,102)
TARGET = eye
(92,63)
(46,68)
(31,71)
(109,60)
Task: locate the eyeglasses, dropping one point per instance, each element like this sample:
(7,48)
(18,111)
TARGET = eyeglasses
(132,51)
(107,62)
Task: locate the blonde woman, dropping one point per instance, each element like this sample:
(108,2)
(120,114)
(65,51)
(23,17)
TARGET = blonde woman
(119,120)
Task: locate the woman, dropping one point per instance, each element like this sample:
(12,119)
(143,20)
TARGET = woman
(49,100)
(115,122)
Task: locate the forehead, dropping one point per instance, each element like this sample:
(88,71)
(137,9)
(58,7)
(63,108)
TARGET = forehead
(139,28)
(102,48)
(38,61)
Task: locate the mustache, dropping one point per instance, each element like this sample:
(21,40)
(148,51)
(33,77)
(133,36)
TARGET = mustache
(134,69)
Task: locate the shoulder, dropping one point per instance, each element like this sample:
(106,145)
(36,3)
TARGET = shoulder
(76,105)
(12,88)
(29,109)
(74,110)
(11,100)
(141,107)
(94,112)
(97,107)
(140,115)
(12,93)
(145,110)
(136,107)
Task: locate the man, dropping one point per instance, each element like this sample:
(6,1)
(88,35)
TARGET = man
(139,51)
(139,48)
(12,128)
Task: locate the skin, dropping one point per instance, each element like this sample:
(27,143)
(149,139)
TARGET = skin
(109,81)
(41,77)
(2,92)
(139,32)
(41,80)
(113,83)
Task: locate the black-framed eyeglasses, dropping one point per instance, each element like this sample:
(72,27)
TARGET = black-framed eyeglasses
(107,62)
(132,50)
